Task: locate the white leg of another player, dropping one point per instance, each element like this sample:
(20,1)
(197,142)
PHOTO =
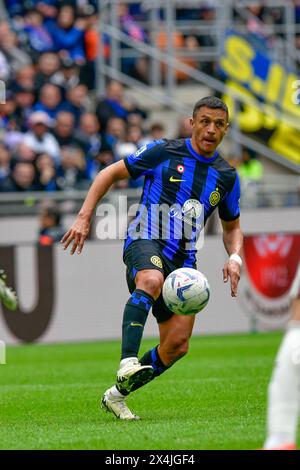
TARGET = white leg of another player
(284,392)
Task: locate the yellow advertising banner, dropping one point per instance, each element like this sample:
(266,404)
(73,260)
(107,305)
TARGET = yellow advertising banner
(270,95)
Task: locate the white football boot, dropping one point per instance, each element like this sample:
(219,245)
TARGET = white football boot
(7,295)
(116,405)
(132,375)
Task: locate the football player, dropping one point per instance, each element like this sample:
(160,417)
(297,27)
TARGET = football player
(284,388)
(189,174)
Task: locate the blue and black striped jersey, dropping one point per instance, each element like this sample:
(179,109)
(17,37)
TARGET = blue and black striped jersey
(188,187)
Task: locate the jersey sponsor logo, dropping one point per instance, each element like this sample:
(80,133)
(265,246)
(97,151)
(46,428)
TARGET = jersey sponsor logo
(192,209)
(175,180)
(214,198)
(156,261)
(191,213)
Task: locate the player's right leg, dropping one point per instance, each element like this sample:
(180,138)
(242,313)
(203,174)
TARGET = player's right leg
(7,295)
(284,388)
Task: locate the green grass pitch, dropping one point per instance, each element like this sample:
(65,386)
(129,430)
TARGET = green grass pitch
(214,398)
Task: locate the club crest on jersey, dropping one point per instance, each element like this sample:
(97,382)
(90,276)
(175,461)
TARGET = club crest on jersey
(156,261)
(180,169)
(214,197)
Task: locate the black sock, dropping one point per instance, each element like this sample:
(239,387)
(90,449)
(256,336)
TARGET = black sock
(152,358)
(134,319)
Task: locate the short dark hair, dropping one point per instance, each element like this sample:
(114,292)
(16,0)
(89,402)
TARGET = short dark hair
(211,102)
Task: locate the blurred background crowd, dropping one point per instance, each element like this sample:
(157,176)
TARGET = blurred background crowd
(56,133)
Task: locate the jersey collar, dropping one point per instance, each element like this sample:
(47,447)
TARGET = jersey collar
(197,155)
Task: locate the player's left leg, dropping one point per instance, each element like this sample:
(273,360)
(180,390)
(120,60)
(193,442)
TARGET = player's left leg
(7,295)
(284,388)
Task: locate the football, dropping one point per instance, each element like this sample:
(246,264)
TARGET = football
(186,291)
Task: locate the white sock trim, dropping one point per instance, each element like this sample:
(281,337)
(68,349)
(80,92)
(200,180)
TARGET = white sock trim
(115,392)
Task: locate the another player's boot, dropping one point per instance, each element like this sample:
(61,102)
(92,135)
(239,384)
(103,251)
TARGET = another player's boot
(116,405)
(132,375)
(7,295)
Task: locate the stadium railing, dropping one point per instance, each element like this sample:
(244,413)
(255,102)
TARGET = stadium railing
(164,93)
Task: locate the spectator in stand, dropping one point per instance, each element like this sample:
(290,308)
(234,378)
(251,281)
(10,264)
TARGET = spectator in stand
(68,34)
(115,135)
(179,42)
(71,173)
(22,178)
(250,171)
(191,44)
(157,131)
(38,37)
(92,46)
(89,134)
(250,168)
(24,99)
(67,77)
(46,172)
(5,161)
(184,128)
(15,7)
(258,24)
(23,153)
(64,130)
(24,77)
(48,65)
(135,135)
(132,29)
(48,8)
(8,117)
(50,101)
(51,229)
(98,153)
(39,138)
(134,141)
(114,104)
(78,102)
(9,46)
(5,70)
(104,158)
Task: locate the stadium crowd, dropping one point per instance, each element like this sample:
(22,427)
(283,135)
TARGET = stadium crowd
(55,134)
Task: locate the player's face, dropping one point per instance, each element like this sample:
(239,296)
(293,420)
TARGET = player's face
(209,127)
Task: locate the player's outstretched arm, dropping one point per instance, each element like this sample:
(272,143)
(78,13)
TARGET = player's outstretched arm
(80,228)
(233,242)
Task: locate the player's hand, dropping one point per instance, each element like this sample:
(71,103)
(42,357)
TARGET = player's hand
(76,234)
(232,271)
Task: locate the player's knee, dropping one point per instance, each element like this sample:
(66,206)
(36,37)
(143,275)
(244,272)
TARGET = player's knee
(151,283)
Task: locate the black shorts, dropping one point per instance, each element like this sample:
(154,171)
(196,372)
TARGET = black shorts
(147,254)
